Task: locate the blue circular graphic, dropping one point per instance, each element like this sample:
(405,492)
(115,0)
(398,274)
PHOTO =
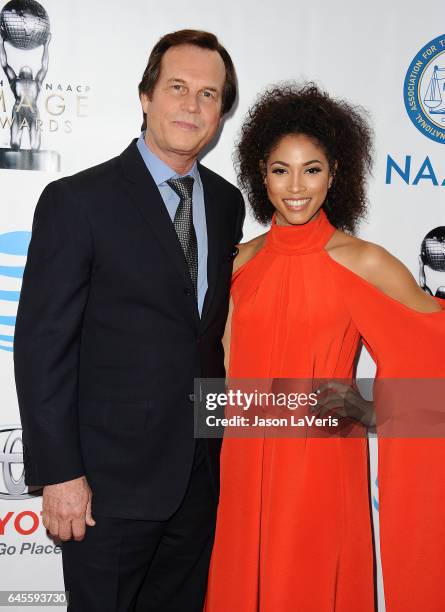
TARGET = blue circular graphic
(424,90)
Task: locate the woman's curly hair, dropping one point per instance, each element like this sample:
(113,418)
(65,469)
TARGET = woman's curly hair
(340,128)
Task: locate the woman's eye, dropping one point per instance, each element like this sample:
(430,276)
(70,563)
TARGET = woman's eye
(313,170)
(278,171)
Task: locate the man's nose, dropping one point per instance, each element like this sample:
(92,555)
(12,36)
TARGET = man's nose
(190,103)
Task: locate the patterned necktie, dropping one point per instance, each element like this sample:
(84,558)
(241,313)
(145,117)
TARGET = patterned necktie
(184,224)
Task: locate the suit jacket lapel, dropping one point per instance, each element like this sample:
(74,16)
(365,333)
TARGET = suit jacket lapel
(211,197)
(145,195)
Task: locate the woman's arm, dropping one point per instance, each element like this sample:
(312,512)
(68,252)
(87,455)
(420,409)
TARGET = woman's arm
(226,337)
(385,272)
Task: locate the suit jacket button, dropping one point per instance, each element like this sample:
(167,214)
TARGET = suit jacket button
(188,291)
(191,397)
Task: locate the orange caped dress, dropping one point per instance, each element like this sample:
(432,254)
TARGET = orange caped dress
(294,521)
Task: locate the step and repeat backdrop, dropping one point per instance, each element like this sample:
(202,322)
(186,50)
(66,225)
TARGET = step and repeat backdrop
(68,100)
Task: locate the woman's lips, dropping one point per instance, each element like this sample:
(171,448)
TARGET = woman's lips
(296,204)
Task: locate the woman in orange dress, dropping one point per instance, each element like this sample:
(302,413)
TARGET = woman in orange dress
(294,528)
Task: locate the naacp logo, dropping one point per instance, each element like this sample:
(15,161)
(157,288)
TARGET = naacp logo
(12,480)
(424,90)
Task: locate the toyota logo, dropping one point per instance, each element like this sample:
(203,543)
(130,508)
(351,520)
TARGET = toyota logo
(12,478)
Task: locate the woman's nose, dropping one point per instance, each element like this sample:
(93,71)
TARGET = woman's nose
(295,184)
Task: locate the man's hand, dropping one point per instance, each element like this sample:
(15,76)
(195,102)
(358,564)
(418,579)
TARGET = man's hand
(67,509)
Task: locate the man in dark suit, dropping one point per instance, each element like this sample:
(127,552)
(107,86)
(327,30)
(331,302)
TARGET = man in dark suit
(124,302)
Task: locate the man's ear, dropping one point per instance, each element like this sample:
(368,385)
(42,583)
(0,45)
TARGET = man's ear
(145,101)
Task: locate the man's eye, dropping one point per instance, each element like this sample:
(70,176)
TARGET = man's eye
(177,87)
(207,94)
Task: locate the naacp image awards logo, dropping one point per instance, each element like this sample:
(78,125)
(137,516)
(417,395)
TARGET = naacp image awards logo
(31,108)
(424,90)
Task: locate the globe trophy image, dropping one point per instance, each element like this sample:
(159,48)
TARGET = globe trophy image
(432,255)
(24,24)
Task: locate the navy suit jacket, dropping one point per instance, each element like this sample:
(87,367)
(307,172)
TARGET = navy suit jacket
(108,338)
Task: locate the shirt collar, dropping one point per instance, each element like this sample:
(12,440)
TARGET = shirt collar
(158,169)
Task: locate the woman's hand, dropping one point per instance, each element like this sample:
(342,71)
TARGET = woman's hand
(344,401)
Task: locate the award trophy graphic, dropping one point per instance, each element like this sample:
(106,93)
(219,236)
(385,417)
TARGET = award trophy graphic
(24,24)
(432,255)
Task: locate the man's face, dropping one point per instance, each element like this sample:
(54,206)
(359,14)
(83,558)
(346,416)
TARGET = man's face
(184,111)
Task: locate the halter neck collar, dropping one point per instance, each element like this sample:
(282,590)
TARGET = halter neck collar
(300,239)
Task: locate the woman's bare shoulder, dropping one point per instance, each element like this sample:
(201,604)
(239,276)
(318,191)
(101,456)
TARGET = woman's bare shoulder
(367,259)
(355,252)
(377,266)
(247,250)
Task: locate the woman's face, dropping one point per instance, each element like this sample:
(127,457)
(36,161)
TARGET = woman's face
(297,179)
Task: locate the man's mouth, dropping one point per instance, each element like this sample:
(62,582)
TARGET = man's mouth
(186,125)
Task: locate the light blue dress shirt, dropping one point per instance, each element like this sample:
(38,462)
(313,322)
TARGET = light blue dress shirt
(161,173)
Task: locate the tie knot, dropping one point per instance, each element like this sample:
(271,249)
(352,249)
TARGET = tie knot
(182,186)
